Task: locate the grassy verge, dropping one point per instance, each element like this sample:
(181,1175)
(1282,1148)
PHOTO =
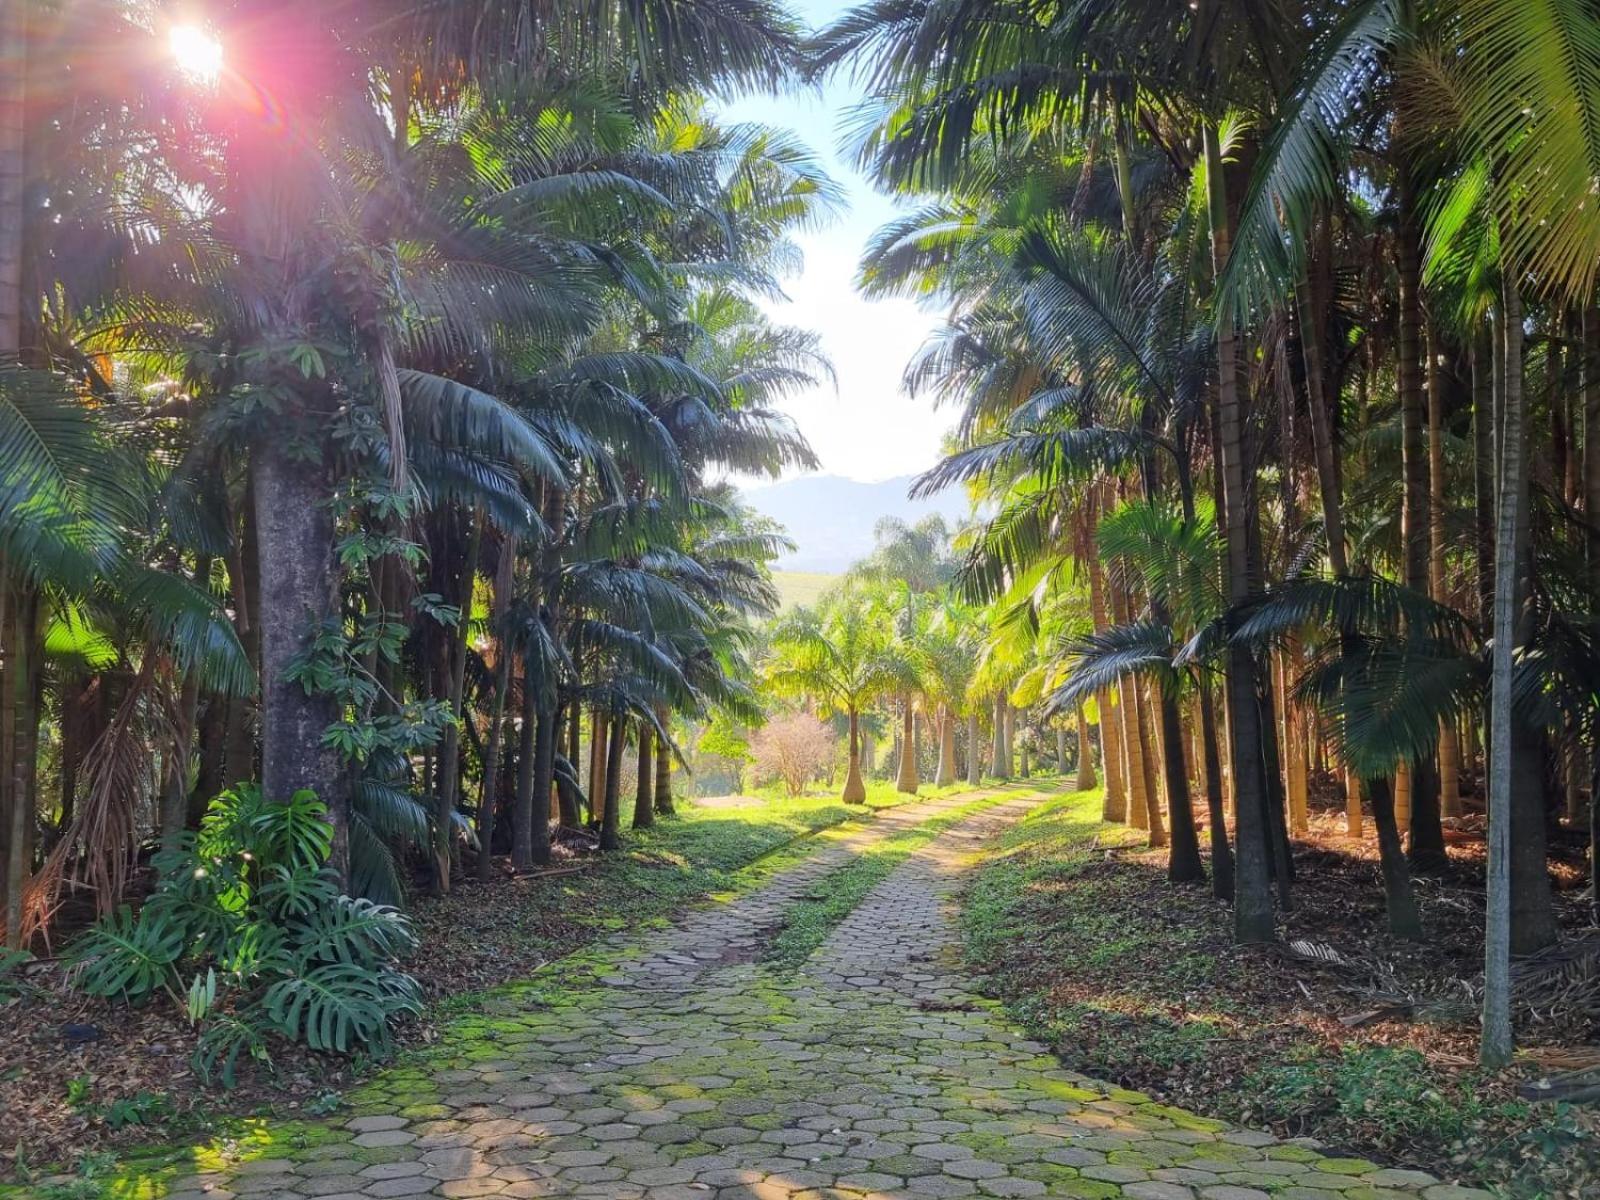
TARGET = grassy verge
(807,924)
(1138,982)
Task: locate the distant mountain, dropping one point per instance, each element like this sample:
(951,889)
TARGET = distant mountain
(830,518)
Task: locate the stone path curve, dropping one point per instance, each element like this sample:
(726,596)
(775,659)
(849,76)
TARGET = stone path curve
(680,1068)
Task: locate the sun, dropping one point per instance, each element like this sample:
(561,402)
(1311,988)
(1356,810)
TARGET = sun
(197,53)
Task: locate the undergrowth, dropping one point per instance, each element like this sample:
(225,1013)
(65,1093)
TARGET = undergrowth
(1135,981)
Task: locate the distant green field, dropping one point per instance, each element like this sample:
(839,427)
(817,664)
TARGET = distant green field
(796,588)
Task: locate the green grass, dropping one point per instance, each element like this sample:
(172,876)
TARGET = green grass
(801,588)
(806,924)
(881,793)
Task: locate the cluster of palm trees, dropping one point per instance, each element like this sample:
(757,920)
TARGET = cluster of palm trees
(895,639)
(1274,326)
(392,366)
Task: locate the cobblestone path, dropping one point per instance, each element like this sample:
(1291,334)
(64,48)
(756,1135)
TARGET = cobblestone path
(678,1067)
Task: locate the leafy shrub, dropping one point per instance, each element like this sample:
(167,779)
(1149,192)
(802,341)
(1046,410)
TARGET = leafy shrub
(249,935)
(1391,1085)
(794,749)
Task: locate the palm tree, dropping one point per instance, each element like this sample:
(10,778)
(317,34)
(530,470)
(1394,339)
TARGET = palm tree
(843,658)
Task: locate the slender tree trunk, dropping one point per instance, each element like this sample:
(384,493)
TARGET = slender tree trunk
(525,816)
(1275,802)
(1086,777)
(1253,916)
(1399,899)
(1486,352)
(599,769)
(1183,863)
(450,749)
(1135,747)
(1221,852)
(906,779)
(489,797)
(644,797)
(1449,744)
(1114,805)
(1152,742)
(974,757)
(1427,836)
(1511,499)
(299,590)
(546,795)
(244,578)
(610,838)
(998,767)
(1292,740)
(855,790)
(663,780)
(571,810)
(946,774)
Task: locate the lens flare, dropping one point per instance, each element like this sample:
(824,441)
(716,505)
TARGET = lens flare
(197,53)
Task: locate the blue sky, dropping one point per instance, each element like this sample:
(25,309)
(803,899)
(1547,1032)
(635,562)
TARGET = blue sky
(867,429)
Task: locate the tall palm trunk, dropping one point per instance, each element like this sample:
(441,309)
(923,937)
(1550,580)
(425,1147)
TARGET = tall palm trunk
(1152,755)
(644,814)
(1114,804)
(1511,500)
(1252,910)
(1427,836)
(1533,922)
(489,797)
(566,789)
(1314,298)
(906,778)
(945,775)
(1086,777)
(663,779)
(450,750)
(599,765)
(299,590)
(855,790)
(1449,743)
(997,755)
(525,815)
(1221,851)
(1183,862)
(610,836)
(974,757)
(546,701)
(1136,751)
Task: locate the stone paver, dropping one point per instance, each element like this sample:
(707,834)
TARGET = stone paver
(680,1068)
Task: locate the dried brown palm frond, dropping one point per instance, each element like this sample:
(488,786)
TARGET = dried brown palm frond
(98,851)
